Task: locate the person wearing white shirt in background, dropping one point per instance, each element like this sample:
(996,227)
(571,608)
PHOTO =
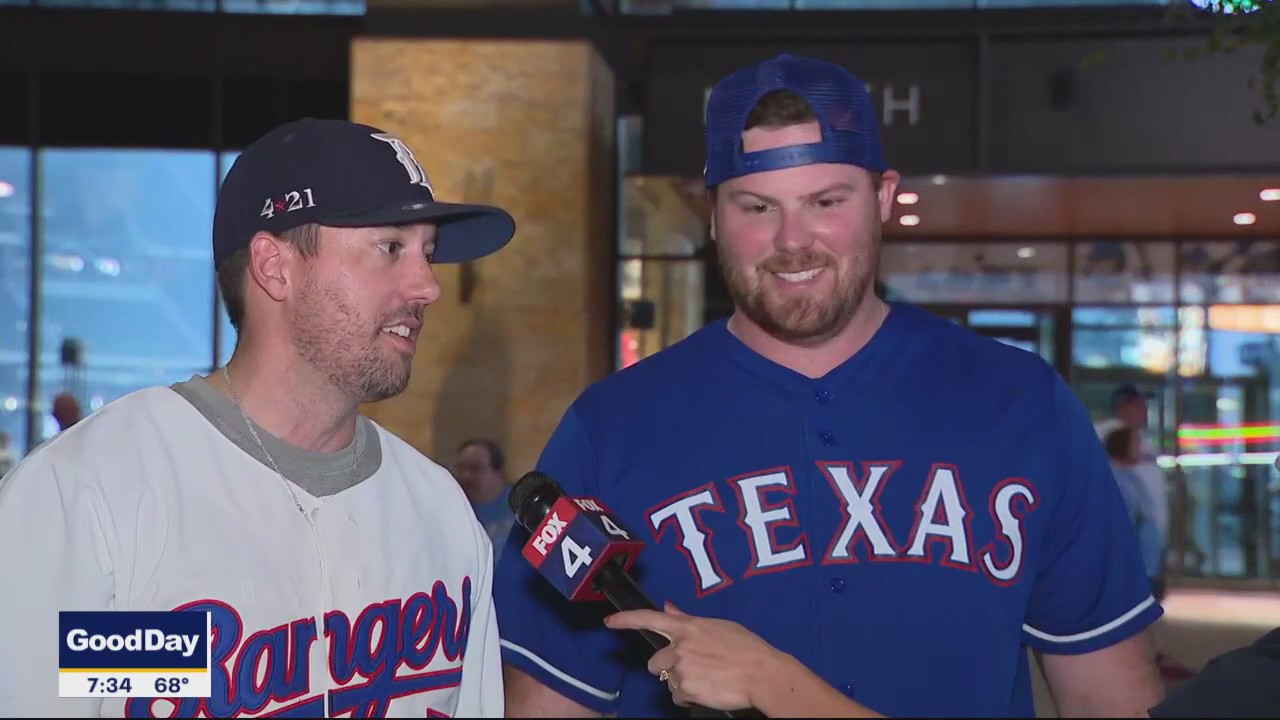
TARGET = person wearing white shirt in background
(1129,409)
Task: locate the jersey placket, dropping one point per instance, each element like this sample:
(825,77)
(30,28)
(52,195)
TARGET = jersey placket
(822,444)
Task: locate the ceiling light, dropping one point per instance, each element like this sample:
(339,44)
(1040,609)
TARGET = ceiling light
(6,189)
(1026,253)
(909,220)
(1244,218)
(908,198)
(1270,195)
(939,179)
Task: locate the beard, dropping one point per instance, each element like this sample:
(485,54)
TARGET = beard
(335,339)
(803,318)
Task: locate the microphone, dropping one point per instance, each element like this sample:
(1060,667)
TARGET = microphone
(579,546)
(583,549)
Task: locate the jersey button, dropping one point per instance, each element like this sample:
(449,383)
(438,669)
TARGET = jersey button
(826,436)
(822,396)
(847,689)
(837,584)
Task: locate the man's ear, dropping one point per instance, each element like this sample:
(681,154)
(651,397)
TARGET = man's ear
(268,265)
(889,181)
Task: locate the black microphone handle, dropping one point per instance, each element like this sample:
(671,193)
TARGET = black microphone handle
(621,589)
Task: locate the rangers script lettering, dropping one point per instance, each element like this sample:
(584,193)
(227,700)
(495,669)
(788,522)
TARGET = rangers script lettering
(273,665)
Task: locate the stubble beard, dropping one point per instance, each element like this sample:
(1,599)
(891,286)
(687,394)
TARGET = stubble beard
(808,318)
(330,336)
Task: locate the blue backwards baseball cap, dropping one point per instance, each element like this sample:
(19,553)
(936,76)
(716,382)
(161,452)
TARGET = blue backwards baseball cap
(850,128)
(344,174)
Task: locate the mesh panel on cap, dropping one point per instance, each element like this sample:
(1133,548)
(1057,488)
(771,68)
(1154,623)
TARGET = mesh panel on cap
(850,131)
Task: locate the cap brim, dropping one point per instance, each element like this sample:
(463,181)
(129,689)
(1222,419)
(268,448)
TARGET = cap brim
(463,232)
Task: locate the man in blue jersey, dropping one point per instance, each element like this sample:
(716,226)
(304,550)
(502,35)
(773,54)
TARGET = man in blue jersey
(857,499)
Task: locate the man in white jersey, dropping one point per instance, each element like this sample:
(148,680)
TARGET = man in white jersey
(345,572)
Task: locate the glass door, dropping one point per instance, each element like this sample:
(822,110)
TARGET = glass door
(1030,329)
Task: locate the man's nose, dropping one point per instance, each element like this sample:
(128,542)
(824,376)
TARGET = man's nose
(422,285)
(793,232)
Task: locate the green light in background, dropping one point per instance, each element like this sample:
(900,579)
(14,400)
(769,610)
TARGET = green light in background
(1230,7)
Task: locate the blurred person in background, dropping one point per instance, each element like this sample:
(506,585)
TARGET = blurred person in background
(481,473)
(1124,449)
(1143,485)
(66,410)
(1130,409)
(8,457)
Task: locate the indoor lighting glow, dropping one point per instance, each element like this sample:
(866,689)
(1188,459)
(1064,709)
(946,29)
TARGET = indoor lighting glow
(1026,253)
(7,190)
(1244,219)
(939,179)
(909,220)
(1270,195)
(908,198)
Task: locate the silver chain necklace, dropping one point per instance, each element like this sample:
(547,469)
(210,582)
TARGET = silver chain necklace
(226,375)
(315,533)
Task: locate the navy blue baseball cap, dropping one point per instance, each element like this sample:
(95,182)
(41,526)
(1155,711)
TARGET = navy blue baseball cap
(344,174)
(839,99)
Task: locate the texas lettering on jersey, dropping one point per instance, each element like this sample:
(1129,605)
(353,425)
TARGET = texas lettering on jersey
(273,665)
(942,515)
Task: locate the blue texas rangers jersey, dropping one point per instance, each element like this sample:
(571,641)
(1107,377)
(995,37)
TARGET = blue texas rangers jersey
(905,526)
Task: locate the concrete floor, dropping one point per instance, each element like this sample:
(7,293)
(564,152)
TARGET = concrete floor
(1199,625)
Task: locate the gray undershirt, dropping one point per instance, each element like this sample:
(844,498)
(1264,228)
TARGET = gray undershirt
(320,474)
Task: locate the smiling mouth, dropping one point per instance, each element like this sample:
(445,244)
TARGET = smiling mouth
(800,276)
(401,330)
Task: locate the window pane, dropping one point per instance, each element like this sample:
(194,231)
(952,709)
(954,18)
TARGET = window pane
(1114,346)
(226,333)
(660,216)
(1229,519)
(126,271)
(1131,317)
(1124,272)
(1149,350)
(662,303)
(15,298)
(1227,445)
(999,273)
(175,5)
(1247,271)
(295,7)
(882,4)
(630,146)
(1002,319)
(1064,3)
(644,7)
